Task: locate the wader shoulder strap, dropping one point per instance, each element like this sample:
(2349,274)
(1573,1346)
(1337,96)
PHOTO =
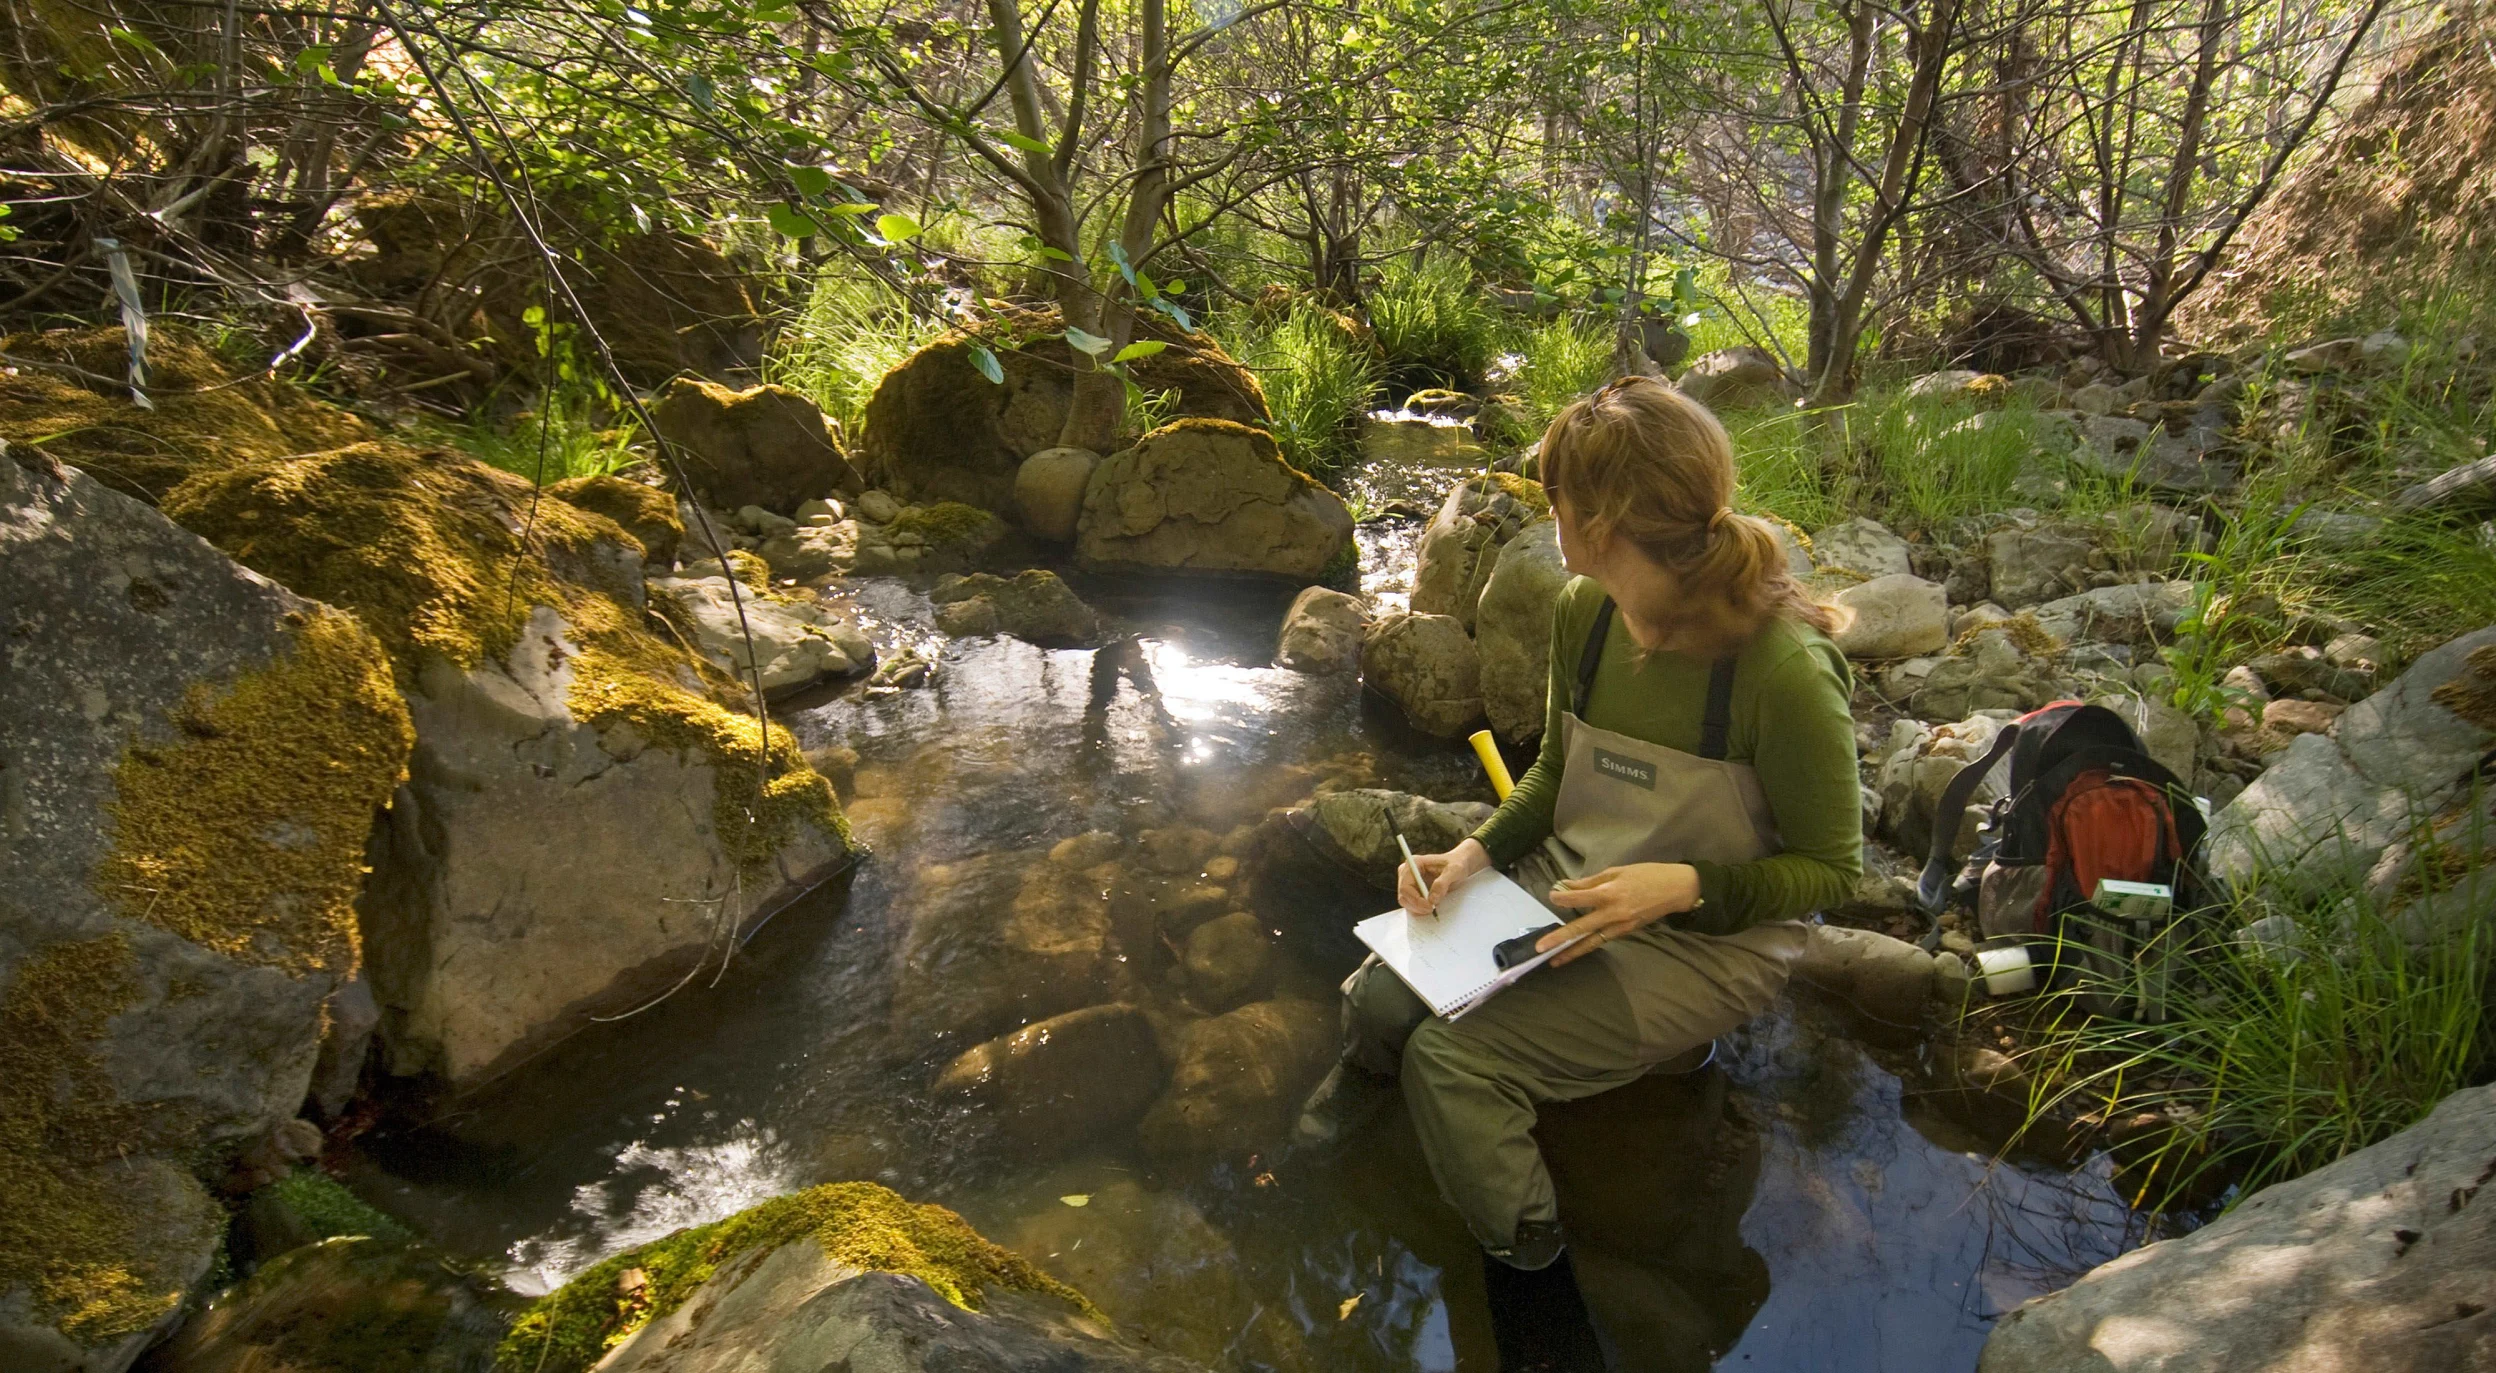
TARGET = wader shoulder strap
(1591,658)
(1932,887)
(1718,722)
(1714,727)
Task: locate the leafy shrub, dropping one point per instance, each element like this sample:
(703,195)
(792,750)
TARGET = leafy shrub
(1563,359)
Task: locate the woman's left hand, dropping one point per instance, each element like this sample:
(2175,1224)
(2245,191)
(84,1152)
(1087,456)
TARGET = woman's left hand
(1617,901)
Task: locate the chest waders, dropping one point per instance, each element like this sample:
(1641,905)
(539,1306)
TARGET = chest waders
(1607,1018)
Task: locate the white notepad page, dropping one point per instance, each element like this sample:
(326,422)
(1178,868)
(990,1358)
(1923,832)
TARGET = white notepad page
(1446,958)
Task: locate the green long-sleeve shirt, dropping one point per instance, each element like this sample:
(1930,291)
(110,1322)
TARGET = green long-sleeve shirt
(1791,723)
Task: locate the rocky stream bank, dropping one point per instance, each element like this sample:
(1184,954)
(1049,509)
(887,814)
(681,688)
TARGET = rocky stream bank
(373,807)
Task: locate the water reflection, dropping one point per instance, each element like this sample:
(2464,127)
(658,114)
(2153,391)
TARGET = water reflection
(1049,828)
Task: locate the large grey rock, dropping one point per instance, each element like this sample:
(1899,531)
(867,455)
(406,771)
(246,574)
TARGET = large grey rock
(1049,487)
(2326,810)
(2378,1261)
(796,1310)
(351,1302)
(1322,631)
(190,760)
(1895,616)
(797,640)
(481,953)
(1914,766)
(1235,1078)
(995,942)
(1210,496)
(1428,668)
(1863,546)
(1512,631)
(2140,613)
(1059,1083)
(1737,379)
(767,447)
(1889,981)
(1989,669)
(1461,545)
(2036,563)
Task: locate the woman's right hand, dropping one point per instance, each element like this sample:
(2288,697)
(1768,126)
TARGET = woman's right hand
(1445,871)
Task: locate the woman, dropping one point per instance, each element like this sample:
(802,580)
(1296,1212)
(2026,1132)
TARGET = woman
(1695,794)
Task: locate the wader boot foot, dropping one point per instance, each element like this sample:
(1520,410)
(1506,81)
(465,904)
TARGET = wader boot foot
(1538,1316)
(1347,1099)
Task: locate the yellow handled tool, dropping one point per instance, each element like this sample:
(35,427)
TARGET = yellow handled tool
(1487,749)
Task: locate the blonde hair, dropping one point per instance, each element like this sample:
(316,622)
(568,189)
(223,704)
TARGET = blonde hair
(1638,460)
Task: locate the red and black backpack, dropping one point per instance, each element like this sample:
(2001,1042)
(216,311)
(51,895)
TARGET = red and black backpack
(2085,803)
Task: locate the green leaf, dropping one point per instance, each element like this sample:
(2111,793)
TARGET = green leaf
(1175,311)
(1144,286)
(1174,288)
(1054,254)
(1093,344)
(987,363)
(852,208)
(1142,348)
(788,222)
(810,180)
(1024,141)
(896,228)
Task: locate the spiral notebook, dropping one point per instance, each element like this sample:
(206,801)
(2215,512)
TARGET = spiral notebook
(1446,958)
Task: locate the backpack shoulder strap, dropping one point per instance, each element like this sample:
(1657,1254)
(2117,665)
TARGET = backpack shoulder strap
(1718,722)
(1932,889)
(1591,658)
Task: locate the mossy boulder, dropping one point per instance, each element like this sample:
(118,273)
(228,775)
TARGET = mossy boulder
(645,512)
(849,1272)
(1209,496)
(550,719)
(938,430)
(69,399)
(194,758)
(1460,546)
(768,446)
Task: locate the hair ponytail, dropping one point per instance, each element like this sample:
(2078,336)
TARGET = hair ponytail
(1641,461)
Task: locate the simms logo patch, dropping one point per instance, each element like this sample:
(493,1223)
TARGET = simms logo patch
(1630,770)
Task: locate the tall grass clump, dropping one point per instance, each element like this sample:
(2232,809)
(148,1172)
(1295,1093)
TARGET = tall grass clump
(570,434)
(1318,379)
(1432,322)
(851,332)
(1782,469)
(1560,360)
(1930,461)
(2297,1040)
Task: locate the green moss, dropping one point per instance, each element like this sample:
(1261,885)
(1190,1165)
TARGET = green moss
(2029,636)
(244,833)
(944,522)
(645,512)
(66,1234)
(425,547)
(204,418)
(328,1210)
(858,1224)
(1524,491)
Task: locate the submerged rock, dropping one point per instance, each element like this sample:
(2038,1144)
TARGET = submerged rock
(1428,667)
(1229,959)
(1235,1078)
(1420,443)
(1035,605)
(356,1302)
(2377,1261)
(193,756)
(767,447)
(1056,1084)
(1204,495)
(995,942)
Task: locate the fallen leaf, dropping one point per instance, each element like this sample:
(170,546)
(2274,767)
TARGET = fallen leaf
(1344,1312)
(1078,1199)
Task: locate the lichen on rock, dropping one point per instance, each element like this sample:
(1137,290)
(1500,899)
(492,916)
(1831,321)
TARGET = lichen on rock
(244,833)
(72,1232)
(859,1224)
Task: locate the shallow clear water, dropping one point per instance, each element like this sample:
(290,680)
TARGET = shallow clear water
(1788,1208)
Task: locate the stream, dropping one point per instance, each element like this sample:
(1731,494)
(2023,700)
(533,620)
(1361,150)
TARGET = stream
(1792,1206)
